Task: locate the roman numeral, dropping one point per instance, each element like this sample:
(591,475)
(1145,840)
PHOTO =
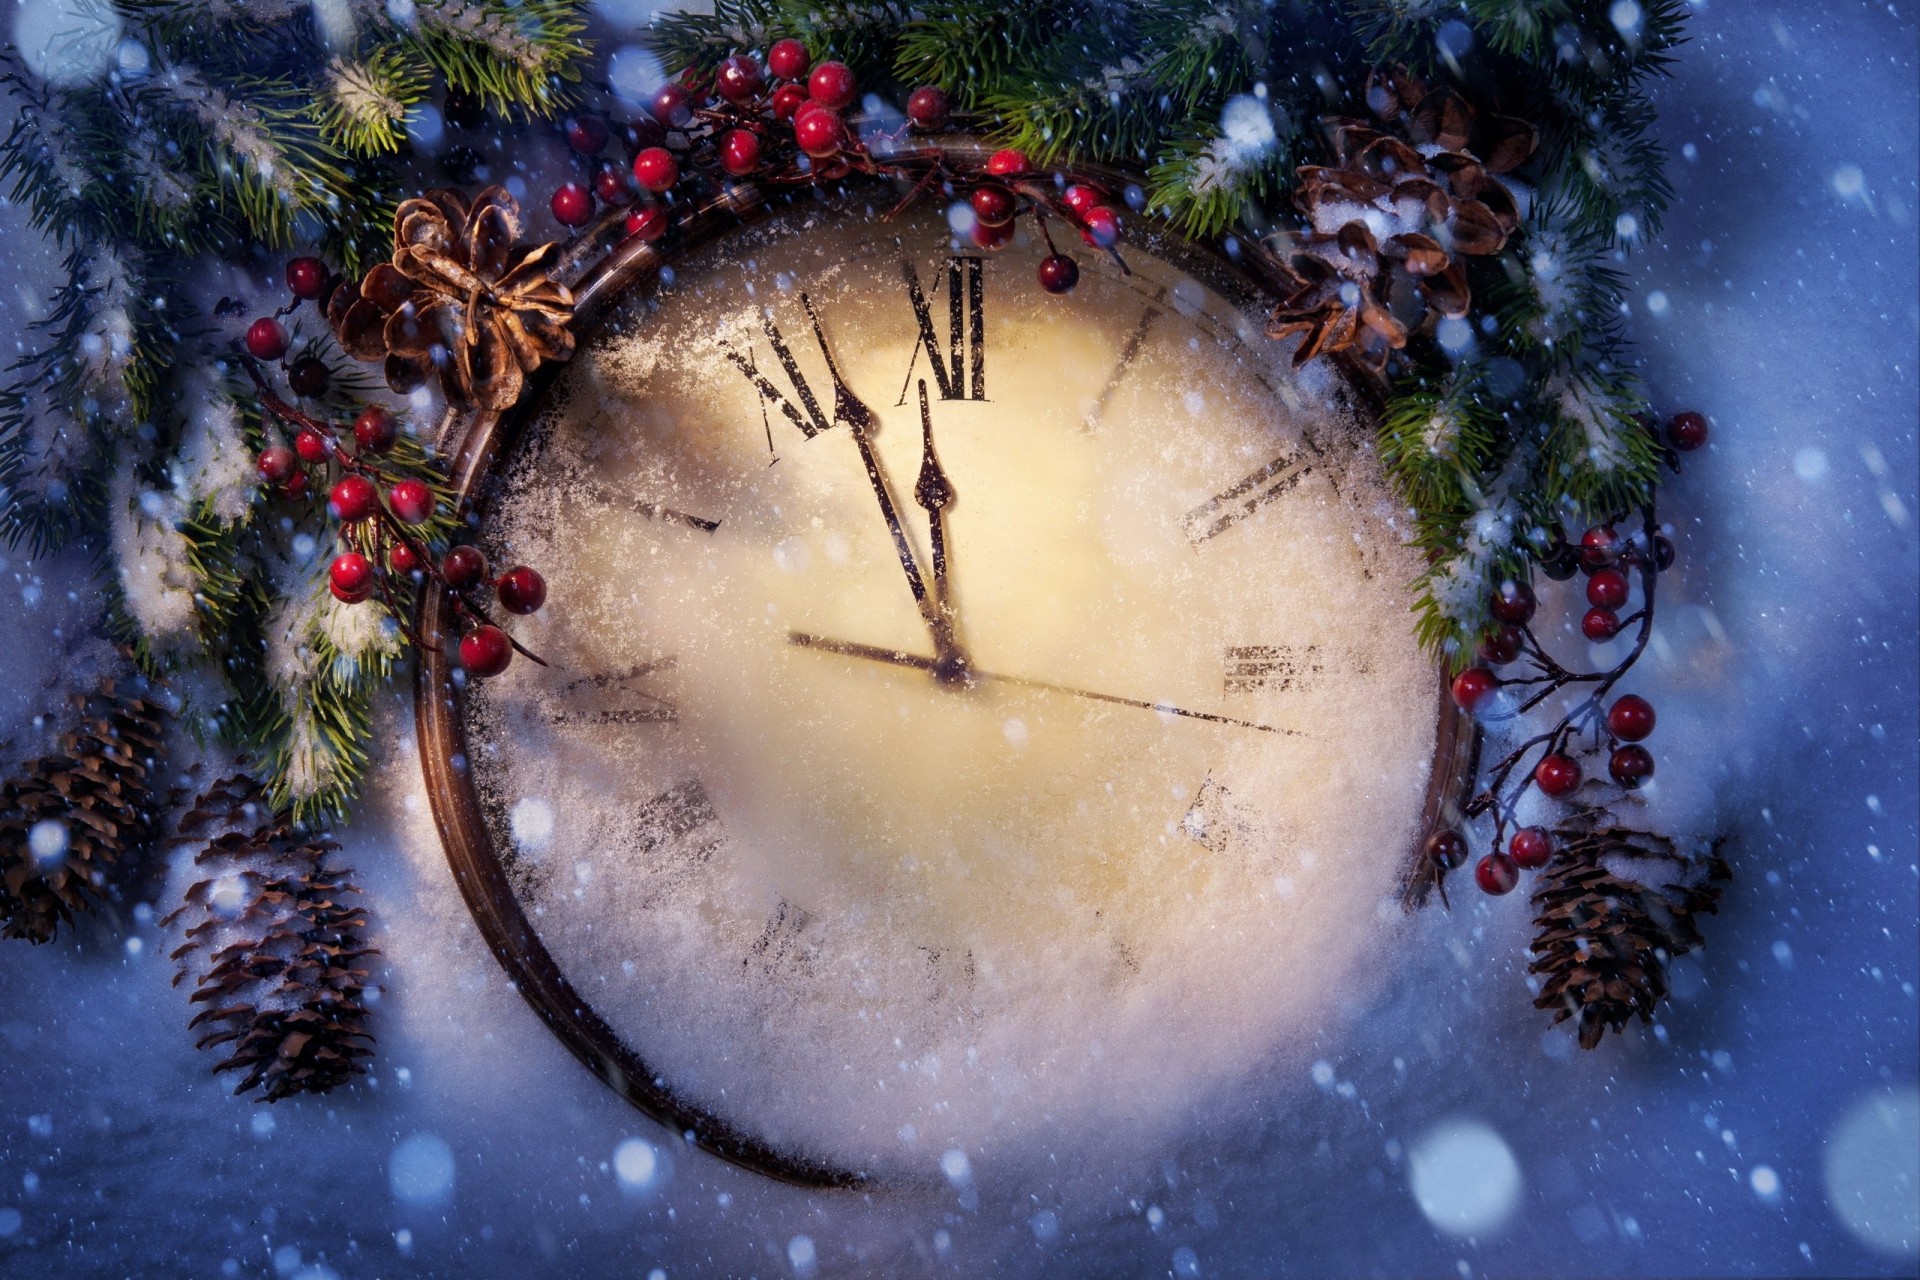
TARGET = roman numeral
(781,944)
(676,822)
(642,707)
(808,416)
(1224,510)
(1252,667)
(950,974)
(651,510)
(1128,350)
(966,332)
(1211,821)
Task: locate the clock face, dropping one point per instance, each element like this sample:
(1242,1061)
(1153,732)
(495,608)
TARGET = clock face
(970,712)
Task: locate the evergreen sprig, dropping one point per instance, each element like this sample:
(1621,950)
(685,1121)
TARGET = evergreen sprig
(1537,419)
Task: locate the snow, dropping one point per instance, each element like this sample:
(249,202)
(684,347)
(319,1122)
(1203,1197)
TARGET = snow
(1784,669)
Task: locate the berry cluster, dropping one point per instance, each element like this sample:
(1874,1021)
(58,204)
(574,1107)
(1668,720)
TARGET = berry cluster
(1611,561)
(784,119)
(381,510)
(266,338)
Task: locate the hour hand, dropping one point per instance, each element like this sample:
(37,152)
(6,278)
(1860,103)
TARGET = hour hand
(951,662)
(933,492)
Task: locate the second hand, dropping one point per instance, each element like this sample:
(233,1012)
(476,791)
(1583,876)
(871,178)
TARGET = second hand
(913,661)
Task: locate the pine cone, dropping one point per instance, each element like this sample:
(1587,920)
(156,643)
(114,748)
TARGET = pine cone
(1604,942)
(281,946)
(461,297)
(96,795)
(1389,223)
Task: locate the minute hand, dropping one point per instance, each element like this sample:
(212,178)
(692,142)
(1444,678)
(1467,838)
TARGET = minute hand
(848,408)
(914,661)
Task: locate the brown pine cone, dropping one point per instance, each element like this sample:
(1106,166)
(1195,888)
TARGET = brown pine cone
(1388,224)
(461,297)
(1604,942)
(282,944)
(73,817)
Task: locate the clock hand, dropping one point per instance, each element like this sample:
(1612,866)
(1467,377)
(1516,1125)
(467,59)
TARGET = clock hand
(847,408)
(913,661)
(933,492)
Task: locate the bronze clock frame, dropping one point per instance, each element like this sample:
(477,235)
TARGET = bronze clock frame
(601,270)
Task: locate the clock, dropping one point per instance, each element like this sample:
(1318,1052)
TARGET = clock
(962,711)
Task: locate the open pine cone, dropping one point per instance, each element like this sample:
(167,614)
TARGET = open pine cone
(459,297)
(282,949)
(1390,222)
(96,791)
(1604,942)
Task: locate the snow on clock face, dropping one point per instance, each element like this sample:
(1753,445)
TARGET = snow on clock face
(971,712)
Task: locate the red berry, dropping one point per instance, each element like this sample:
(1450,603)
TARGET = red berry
(1530,847)
(266,340)
(993,204)
(819,133)
(311,445)
(1059,273)
(787,101)
(643,132)
(991,237)
(832,86)
(1002,163)
(1630,765)
(1688,430)
(277,464)
(1472,686)
(1663,552)
(1502,646)
(351,577)
(1513,602)
(1557,775)
(1600,625)
(738,78)
(1630,718)
(611,186)
(1559,561)
(485,651)
(411,500)
(572,205)
(788,59)
(649,222)
(522,590)
(306,277)
(296,484)
(309,377)
(353,499)
(656,169)
(1599,547)
(462,567)
(1083,199)
(1103,227)
(1496,874)
(1447,849)
(1607,589)
(402,558)
(740,152)
(927,107)
(672,106)
(587,134)
(375,430)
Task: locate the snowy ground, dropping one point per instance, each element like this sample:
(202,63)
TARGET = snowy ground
(1767,1130)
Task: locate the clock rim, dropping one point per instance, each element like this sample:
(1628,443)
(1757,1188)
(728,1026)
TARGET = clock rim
(602,269)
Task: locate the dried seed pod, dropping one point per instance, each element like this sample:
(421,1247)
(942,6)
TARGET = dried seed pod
(1389,223)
